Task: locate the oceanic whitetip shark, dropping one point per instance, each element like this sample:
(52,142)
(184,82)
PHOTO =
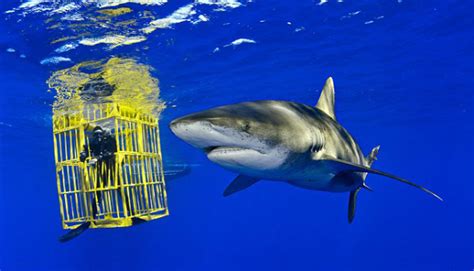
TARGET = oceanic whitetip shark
(283,141)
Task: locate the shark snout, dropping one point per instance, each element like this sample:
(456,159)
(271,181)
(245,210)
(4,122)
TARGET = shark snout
(175,125)
(200,133)
(188,130)
(194,122)
(186,126)
(211,133)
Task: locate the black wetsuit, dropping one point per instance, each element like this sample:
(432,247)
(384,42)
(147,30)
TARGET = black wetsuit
(103,149)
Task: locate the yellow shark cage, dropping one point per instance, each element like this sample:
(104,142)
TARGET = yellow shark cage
(132,186)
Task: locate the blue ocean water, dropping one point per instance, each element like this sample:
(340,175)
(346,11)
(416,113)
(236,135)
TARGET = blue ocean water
(403,75)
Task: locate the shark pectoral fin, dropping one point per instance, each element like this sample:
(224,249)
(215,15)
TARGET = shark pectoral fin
(341,165)
(238,184)
(352,205)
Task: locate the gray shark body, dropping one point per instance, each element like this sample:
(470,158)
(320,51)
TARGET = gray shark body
(283,141)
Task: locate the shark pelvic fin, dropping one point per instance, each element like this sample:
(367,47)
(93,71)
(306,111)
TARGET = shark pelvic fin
(352,204)
(340,165)
(238,184)
(327,99)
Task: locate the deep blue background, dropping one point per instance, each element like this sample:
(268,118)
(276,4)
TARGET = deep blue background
(404,82)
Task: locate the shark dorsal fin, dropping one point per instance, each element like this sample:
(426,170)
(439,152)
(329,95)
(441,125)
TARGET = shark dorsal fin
(326,100)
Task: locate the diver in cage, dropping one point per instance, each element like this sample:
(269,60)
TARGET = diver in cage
(101,150)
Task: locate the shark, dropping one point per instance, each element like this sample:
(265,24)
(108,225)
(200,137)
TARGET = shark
(284,141)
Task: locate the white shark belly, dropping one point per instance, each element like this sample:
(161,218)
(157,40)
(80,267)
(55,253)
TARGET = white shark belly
(318,181)
(321,178)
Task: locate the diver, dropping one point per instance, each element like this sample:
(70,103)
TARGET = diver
(102,146)
(101,150)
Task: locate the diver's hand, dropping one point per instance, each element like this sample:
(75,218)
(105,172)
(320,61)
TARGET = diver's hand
(83,156)
(93,162)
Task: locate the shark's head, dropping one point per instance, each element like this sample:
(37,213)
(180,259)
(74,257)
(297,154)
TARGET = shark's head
(252,136)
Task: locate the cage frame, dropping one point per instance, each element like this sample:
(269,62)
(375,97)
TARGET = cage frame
(81,117)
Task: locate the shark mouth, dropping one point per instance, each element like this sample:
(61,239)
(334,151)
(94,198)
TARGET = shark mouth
(227,150)
(241,159)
